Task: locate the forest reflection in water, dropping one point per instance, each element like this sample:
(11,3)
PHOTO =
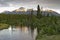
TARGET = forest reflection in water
(18,33)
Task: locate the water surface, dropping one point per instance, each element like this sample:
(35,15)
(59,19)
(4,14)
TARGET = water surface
(18,33)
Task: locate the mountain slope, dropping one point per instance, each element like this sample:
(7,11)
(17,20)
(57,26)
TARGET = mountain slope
(22,11)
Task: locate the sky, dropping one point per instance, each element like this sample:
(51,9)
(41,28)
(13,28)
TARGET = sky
(11,5)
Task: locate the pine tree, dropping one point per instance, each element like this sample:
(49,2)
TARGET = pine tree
(38,12)
(31,13)
(48,15)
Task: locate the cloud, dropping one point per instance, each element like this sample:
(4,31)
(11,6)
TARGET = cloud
(5,3)
(45,3)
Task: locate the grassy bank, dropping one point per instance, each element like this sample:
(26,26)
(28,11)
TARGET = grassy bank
(52,37)
(3,26)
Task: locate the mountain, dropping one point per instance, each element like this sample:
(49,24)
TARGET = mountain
(6,12)
(21,10)
(50,12)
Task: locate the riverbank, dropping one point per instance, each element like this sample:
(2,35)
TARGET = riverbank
(3,26)
(52,37)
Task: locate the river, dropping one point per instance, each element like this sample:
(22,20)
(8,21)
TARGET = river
(18,33)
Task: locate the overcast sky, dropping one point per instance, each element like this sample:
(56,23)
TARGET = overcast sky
(14,4)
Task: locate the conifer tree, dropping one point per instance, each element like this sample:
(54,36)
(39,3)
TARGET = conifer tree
(38,12)
(31,12)
(48,15)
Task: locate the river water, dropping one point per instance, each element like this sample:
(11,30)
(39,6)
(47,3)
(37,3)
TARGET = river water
(18,33)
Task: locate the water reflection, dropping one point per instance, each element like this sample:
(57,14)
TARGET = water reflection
(18,33)
(10,28)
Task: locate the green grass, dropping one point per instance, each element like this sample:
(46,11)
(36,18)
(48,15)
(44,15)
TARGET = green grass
(3,26)
(52,37)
